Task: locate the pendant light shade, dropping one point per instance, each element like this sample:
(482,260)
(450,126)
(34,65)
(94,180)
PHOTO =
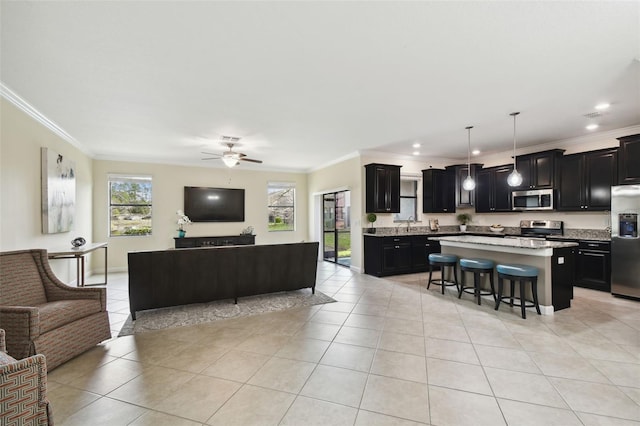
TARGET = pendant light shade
(515,178)
(468,184)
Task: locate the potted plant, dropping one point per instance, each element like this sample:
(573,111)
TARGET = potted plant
(183,220)
(463,219)
(371,218)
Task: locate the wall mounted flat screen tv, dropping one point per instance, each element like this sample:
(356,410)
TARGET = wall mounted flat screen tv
(203,204)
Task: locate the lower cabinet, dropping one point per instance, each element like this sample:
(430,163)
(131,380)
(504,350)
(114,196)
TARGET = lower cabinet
(593,265)
(394,255)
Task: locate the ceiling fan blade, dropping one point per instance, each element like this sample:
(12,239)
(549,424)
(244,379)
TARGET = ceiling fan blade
(251,160)
(210,158)
(211,153)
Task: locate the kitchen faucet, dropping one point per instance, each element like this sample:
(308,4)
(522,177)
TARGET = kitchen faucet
(409,223)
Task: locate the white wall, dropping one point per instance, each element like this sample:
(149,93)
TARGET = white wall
(21,138)
(168,196)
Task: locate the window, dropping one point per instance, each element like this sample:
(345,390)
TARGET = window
(129,205)
(281,200)
(408,200)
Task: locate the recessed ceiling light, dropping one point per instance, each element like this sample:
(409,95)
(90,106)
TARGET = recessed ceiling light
(592,126)
(602,106)
(416,145)
(416,152)
(475,152)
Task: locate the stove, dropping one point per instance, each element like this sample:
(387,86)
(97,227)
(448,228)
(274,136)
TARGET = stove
(541,228)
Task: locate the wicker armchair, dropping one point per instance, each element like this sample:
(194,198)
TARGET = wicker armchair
(42,315)
(23,390)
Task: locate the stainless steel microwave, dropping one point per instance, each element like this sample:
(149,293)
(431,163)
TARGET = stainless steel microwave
(537,199)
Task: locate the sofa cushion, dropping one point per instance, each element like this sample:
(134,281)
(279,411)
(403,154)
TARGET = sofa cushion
(56,314)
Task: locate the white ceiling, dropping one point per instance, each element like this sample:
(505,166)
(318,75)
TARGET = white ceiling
(304,83)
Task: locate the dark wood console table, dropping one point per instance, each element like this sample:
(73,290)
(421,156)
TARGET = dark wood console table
(231,240)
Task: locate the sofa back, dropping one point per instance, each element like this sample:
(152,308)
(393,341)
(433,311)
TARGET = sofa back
(198,275)
(21,279)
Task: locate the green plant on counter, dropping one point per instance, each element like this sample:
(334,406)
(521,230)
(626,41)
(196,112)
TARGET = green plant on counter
(463,218)
(371,218)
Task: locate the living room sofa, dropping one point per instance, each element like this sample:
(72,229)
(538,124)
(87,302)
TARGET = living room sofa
(42,315)
(173,277)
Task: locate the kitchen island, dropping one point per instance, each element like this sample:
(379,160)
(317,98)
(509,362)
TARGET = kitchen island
(554,260)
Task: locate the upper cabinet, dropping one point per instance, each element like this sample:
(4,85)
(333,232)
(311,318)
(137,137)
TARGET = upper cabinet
(464,198)
(538,169)
(629,160)
(585,180)
(438,191)
(382,188)
(493,194)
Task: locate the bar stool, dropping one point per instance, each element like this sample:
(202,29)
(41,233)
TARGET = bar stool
(477,267)
(443,260)
(523,274)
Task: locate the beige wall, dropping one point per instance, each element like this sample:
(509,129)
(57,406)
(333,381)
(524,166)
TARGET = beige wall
(168,194)
(345,175)
(20,219)
(21,138)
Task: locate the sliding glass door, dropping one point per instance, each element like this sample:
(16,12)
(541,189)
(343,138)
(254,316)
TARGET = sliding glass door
(336,230)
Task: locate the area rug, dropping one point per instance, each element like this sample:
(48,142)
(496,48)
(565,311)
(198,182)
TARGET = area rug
(200,313)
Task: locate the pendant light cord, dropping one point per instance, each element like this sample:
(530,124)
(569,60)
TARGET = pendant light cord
(469,151)
(514,115)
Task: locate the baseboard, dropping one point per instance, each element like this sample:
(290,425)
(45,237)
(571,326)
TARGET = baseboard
(355,269)
(546,310)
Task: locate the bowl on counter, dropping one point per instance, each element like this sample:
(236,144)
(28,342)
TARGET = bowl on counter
(496,228)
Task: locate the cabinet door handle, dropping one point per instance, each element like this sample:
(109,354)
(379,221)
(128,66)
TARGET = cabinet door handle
(397,247)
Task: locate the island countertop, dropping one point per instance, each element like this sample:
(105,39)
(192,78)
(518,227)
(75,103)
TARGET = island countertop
(521,245)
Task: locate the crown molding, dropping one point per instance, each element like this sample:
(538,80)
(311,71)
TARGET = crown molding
(28,109)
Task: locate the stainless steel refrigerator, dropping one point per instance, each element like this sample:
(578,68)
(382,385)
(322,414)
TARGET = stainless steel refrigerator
(625,242)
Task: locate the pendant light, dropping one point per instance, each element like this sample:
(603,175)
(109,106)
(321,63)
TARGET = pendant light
(515,178)
(469,184)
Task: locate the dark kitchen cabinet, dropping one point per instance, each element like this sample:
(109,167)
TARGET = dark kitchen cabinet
(421,248)
(493,194)
(538,169)
(593,265)
(382,190)
(629,160)
(585,180)
(464,198)
(387,255)
(438,191)
(400,254)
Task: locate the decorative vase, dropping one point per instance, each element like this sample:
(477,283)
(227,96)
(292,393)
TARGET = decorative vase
(181,233)
(463,228)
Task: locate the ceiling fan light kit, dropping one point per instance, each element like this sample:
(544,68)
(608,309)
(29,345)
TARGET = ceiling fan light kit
(230,158)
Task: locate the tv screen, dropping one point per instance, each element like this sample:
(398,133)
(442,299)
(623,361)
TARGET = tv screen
(214,204)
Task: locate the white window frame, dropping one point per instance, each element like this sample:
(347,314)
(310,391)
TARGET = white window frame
(282,185)
(127,178)
(417,217)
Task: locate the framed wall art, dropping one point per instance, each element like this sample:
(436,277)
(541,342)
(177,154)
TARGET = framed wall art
(58,192)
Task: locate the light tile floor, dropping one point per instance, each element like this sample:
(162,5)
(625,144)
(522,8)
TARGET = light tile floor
(389,352)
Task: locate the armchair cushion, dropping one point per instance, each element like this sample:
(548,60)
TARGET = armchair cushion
(21,281)
(56,314)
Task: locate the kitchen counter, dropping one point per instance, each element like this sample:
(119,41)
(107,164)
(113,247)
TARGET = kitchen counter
(521,245)
(554,260)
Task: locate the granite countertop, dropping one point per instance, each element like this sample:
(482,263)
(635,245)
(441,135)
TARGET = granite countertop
(569,234)
(515,242)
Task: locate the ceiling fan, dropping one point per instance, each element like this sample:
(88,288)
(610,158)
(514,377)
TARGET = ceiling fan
(230,158)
